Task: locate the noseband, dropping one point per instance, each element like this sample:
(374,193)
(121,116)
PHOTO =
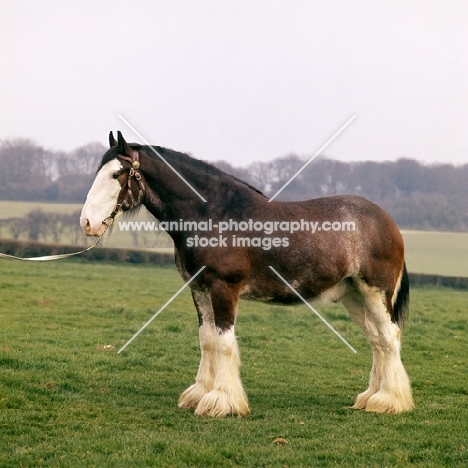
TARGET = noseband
(133,173)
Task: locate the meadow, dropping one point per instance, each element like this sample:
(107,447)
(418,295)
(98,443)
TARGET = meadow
(67,399)
(437,253)
(18,209)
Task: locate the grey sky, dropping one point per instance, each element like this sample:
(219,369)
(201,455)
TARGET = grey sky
(239,80)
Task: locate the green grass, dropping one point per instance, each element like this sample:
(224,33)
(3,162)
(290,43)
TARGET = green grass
(66,402)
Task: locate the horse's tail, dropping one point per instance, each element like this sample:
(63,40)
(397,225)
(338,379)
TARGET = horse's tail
(401,304)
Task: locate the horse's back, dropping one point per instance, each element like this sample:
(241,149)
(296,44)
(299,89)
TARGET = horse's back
(339,237)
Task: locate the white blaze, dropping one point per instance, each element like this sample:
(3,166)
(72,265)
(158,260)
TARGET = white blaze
(101,199)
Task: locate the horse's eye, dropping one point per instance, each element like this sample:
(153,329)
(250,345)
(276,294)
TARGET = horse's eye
(115,175)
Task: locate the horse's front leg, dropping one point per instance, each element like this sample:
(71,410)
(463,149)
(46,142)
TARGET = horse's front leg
(208,362)
(228,396)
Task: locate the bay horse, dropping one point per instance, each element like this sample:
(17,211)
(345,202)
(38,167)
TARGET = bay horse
(364,267)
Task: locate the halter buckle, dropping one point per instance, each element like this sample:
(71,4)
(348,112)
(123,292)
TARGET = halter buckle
(108,222)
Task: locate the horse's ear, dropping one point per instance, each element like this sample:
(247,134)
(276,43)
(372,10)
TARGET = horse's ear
(123,145)
(112,140)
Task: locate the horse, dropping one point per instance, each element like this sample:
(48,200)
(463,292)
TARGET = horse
(363,268)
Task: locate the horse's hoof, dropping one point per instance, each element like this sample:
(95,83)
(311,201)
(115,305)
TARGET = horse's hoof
(219,404)
(385,402)
(362,399)
(191,397)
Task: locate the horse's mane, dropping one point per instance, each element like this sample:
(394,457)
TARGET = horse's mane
(178,159)
(246,183)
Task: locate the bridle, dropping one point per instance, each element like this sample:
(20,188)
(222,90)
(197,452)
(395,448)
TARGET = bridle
(134,161)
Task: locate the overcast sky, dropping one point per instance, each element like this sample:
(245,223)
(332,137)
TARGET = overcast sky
(240,81)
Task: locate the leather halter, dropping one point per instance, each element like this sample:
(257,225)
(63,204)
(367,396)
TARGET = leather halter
(133,172)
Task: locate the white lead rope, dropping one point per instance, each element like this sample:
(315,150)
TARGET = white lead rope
(53,257)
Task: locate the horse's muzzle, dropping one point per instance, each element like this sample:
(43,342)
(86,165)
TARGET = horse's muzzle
(92,231)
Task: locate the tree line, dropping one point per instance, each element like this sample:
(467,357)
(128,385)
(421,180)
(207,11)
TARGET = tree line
(29,172)
(418,196)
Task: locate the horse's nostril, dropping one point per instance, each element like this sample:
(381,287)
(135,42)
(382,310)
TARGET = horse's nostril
(87,225)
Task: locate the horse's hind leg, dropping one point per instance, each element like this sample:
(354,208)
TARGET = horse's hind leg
(394,395)
(208,362)
(355,304)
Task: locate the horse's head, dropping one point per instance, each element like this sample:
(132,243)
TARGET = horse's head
(118,187)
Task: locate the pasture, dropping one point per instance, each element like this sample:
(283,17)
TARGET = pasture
(437,253)
(18,209)
(67,399)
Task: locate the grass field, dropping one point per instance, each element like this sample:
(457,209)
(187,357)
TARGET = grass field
(18,209)
(67,400)
(439,253)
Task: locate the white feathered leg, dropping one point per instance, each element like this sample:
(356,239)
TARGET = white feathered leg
(355,304)
(394,395)
(228,396)
(208,362)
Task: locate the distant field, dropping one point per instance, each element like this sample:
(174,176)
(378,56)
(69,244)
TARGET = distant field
(18,209)
(440,253)
(443,253)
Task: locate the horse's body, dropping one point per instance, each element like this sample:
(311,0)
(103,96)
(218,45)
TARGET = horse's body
(362,267)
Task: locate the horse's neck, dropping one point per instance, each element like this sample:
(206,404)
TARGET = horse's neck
(170,198)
